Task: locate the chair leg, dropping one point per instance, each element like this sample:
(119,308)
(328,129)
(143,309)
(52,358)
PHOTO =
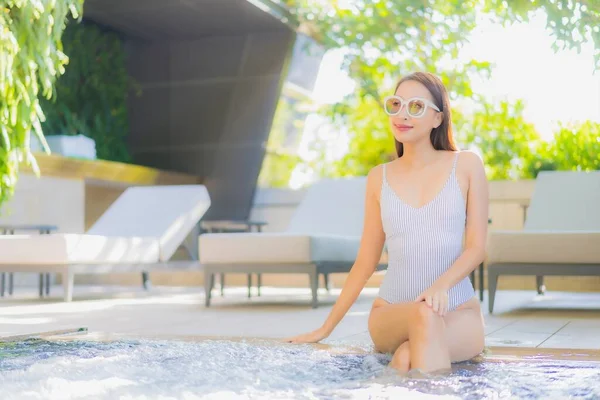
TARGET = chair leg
(209,282)
(539,283)
(2,283)
(146,280)
(68,282)
(492,285)
(41,285)
(222,281)
(47,284)
(249,285)
(481,282)
(326,279)
(258,282)
(11,283)
(314,287)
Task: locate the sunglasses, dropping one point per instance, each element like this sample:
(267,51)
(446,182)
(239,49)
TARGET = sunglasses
(415,106)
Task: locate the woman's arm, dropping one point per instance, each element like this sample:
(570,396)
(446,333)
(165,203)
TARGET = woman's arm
(477,222)
(475,235)
(369,254)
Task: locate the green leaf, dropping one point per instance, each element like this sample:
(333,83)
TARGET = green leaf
(91,97)
(30,34)
(388,39)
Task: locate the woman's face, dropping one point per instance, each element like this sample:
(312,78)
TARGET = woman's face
(417,116)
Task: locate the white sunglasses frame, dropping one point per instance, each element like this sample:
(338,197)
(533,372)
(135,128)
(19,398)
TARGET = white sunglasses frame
(403,103)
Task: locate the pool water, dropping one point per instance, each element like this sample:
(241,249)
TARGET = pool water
(210,369)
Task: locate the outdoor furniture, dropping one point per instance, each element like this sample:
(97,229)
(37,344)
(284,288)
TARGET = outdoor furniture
(323,237)
(229,226)
(480,274)
(139,232)
(560,236)
(10,229)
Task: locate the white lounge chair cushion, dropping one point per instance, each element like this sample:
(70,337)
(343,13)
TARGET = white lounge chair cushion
(250,247)
(565,201)
(167,213)
(544,247)
(76,249)
(331,207)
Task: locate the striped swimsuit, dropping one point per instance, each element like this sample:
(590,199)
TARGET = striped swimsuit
(423,243)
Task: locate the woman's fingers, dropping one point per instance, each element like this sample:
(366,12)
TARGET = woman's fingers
(436,303)
(443,302)
(440,303)
(295,339)
(443,305)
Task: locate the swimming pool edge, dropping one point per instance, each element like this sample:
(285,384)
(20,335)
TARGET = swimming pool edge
(491,353)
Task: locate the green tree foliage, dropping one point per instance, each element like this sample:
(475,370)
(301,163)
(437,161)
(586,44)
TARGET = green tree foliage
(408,35)
(502,135)
(280,158)
(576,147)
(387,39)
(383,43)
(371,141)
(91,97)
(572,22)
(31,58)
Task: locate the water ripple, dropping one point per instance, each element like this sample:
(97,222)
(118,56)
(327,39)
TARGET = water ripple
(209,369)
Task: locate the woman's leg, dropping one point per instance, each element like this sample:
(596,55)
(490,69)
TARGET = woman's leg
(433,341)
(401,358)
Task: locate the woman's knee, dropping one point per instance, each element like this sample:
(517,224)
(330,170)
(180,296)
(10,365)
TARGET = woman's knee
(424,317)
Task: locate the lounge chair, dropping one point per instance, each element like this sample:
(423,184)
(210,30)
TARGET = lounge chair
(139,232)
(323,237)
(561,235)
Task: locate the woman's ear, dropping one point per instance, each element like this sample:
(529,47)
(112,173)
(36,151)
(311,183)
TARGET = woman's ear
(439,117)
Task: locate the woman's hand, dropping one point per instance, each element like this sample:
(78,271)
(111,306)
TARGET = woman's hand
(312,337)
(436,297)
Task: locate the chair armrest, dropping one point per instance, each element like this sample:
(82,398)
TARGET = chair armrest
(577,247)
(232,225)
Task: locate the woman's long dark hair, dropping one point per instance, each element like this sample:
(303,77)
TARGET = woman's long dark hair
(441,137)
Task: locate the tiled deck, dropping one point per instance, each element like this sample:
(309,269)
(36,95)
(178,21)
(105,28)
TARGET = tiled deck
(521,319)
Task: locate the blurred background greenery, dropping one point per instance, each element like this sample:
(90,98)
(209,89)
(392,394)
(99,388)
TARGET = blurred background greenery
(383,40)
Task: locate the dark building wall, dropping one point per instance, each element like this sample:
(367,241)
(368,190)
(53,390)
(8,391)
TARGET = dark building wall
(206,108)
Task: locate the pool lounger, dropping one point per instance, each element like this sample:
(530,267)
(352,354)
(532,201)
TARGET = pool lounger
(561,233)
(323,237)
(139,232)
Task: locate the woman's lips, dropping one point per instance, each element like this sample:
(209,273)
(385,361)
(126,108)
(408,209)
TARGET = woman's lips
(402,127)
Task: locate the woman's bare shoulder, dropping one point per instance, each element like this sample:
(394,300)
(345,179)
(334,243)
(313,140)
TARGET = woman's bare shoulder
(375,178)
(469,161)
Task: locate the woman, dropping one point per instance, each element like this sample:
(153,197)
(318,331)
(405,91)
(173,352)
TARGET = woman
(430,207)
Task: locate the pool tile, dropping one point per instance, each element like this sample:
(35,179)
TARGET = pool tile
(582,327)
(493,324)
(547,326)
(512,338)
(572,341)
